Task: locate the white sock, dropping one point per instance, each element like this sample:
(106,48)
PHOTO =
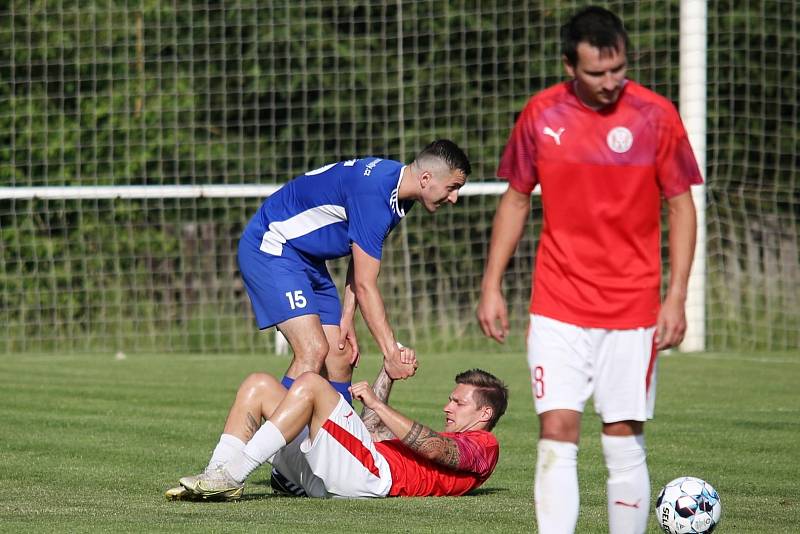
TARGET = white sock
(265,442)
(228,447)
(556,487)
(628,484)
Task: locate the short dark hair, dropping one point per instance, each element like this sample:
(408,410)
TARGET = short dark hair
(594,25)
(490,391)
(449,153)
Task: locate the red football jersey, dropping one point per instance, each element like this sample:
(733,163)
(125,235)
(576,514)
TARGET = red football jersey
(602,175)
(414,476)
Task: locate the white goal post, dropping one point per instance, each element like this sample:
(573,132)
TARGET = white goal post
(693,45)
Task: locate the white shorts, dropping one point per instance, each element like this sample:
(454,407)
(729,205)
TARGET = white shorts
(570,363)
(342,461)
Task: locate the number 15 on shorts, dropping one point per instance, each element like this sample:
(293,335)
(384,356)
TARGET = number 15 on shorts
(296,299)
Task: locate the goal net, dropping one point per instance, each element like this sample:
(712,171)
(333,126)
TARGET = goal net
(137,138)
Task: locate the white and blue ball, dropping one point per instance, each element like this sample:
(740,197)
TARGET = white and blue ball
(688,505)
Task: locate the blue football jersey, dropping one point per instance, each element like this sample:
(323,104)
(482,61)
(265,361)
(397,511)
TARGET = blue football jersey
(318,215)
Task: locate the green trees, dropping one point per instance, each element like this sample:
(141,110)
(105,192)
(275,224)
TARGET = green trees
(157,93)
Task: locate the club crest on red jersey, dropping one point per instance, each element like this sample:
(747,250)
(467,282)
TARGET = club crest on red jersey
(619,139)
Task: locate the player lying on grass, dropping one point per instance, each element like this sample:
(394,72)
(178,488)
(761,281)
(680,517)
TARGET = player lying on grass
(313,436)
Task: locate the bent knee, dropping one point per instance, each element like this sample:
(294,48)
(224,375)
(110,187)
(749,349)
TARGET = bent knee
(623,428)
(308,380)
(560,425)
(339,355)
(306,386)
(338,363)
(312,355)
(258,382)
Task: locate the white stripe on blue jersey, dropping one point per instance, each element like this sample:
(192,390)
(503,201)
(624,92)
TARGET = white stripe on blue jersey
(299,225)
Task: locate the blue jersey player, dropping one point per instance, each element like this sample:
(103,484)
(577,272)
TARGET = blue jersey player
(341,209)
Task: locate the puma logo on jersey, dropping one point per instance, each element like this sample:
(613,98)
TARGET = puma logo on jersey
(555,135)
(349,415)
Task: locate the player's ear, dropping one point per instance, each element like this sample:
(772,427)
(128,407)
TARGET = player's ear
(486,414)
(568,67)
(425,178)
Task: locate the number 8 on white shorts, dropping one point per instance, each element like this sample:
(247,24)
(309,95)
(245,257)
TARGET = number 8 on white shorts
(570,363)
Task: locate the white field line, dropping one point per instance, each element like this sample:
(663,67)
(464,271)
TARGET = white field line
(738,358)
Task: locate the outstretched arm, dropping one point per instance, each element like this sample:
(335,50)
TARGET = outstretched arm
(382,388)
(414,435)
(399,363)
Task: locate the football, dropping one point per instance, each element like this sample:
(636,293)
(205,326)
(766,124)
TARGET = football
(688,505)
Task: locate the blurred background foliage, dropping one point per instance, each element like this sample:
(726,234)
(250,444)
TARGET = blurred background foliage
(229,92)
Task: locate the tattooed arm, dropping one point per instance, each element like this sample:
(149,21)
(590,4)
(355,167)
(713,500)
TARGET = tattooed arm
(415,436)
(432,445)
(382,387)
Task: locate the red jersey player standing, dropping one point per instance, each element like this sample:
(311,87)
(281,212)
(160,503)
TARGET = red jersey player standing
(604,150)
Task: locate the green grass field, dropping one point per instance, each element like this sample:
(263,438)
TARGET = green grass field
(89,443)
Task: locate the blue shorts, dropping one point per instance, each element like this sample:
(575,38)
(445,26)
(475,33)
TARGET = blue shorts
(283,287)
